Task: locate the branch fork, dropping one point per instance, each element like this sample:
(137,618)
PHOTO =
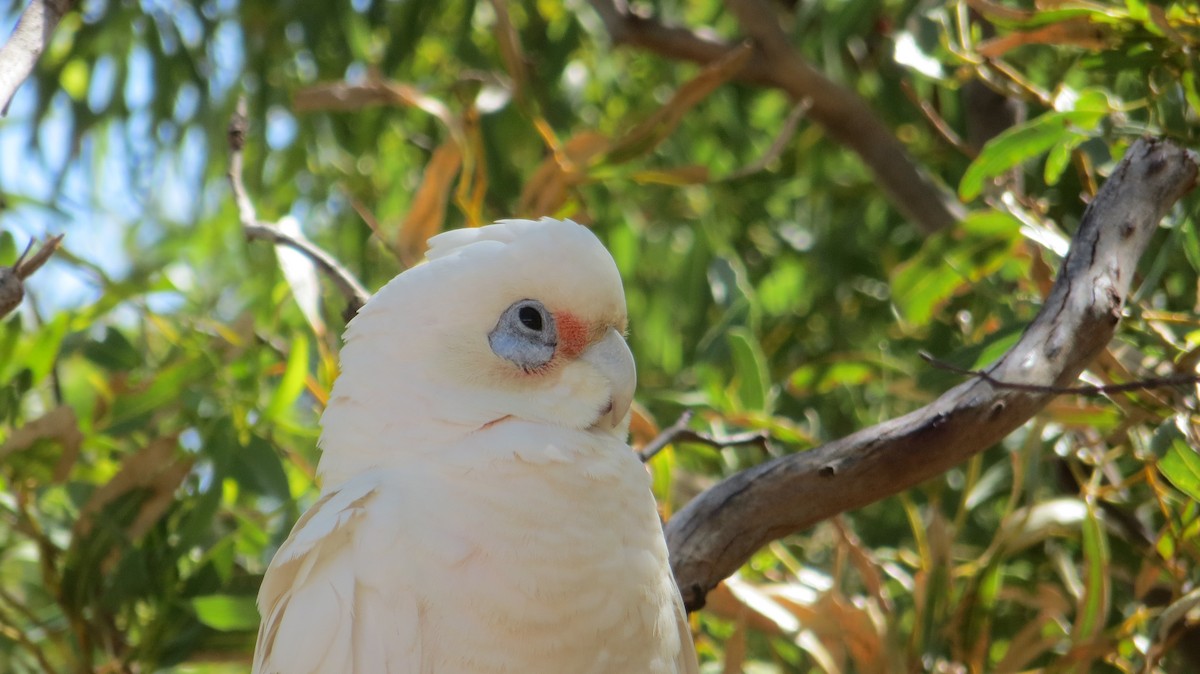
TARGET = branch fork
(349,286)
(718,531)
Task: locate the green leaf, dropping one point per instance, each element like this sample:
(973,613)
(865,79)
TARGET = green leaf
(1025,142)
(43,350)
(8,249)
(1094,609)
(1190,91)
(167,388)
(1181,466)
(227,613)
(750,369)
(1059,158)
(292,384)
(114,352)
(951,262)
(258,466)
(74,78)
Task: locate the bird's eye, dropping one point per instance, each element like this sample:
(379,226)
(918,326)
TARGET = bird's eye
(525,335)
(530,317)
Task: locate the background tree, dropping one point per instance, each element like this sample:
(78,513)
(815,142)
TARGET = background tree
(777,184)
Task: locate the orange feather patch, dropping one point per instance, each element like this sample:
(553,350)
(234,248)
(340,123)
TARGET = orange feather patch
(572,334)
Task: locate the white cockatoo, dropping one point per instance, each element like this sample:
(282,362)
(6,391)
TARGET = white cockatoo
(481,510)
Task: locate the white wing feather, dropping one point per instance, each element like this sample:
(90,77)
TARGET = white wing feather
(340,621)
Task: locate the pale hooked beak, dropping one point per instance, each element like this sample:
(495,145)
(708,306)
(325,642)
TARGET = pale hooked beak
(612,359)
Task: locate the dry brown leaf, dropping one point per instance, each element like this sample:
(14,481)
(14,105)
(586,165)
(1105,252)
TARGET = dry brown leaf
(373,224)
(861,558)
(760,611)
(546,190)
(1159,17)
(817,626)
(858,631)
(155,467)
(1148,577)
(163,493)
(843,628)
(346,96)
(58,424)
(940,541)
(1046,598)
(994,10)
(642,426)
(1027,645)
(1071,32)
(735,648)
(472,186)
(428,211)
(510,49)
(681,175)
(652,130)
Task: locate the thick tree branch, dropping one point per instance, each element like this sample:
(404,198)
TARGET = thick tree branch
(354,292)
(30,38)
(718,531)
(843,114)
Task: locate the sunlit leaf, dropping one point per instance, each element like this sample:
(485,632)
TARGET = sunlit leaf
(43,351)
(1181,465)
(291,385)
(951,262)
(74,78)
(227,613)
(301,275)
(1022,143)
(427,214)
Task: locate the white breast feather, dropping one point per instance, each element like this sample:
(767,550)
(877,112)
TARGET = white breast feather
(501,558)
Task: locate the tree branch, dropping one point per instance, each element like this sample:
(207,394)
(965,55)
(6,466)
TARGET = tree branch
(31,37)
(679,432)
(718,531)
(354,292)
(1088,390)
(12,288)
(843,114)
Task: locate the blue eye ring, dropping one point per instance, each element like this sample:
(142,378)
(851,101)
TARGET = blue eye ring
(525,335)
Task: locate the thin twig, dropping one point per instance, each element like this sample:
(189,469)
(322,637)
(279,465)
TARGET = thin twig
(31,37)
(12,288)
(938,123)
(679,432)
(780,143)
(24,268)
(354,292)
(1105,389)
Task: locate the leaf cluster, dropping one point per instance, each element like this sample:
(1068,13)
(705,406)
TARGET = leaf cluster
(158,427)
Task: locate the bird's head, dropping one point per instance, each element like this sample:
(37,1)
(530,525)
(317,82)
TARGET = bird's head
(519,320)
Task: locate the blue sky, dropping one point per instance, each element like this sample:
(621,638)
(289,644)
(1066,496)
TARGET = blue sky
(126,175)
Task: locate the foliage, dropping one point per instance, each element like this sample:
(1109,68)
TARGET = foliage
(158,427)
